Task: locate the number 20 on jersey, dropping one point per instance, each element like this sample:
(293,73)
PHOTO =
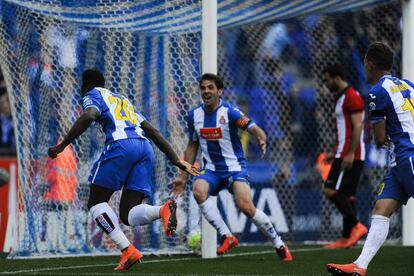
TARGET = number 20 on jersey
(126,107)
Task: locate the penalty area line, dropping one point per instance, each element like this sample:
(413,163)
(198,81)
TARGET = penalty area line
(231,255)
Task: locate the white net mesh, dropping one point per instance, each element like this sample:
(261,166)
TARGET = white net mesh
(271,70)
(43,58)
(275,72)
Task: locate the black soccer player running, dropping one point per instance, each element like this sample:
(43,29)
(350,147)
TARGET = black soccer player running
(126,163)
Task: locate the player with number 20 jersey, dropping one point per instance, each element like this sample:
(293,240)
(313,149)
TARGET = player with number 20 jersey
(126,163)
(121,125)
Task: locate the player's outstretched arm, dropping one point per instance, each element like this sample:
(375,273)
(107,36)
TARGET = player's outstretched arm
(166,148)
(190,154)
(260,135)
(79,127)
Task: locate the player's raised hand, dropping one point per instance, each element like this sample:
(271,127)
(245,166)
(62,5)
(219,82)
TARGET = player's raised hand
(262,145)
(55,150)
(187,167)
(178,187)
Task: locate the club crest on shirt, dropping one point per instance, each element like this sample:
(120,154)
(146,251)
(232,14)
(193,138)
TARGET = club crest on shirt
(222,120)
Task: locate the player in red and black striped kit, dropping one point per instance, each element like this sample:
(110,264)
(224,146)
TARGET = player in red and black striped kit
(348,157)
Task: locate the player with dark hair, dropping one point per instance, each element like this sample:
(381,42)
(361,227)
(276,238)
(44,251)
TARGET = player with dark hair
(213,126)
(348,159)
(126,163)
(391,105)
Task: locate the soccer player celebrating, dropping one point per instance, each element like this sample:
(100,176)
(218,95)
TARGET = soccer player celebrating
(348,160)
(391,105)
(126,163)
(213,126)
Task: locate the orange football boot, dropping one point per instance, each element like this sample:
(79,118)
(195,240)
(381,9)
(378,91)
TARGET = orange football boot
(129,256)
(168,214)
(357,232)
(227,243)
(284,253)
(346,269)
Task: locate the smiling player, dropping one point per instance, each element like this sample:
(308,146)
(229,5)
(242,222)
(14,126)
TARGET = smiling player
(213,126)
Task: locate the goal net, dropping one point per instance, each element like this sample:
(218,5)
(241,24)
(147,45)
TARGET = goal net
(274,72)
(272,64)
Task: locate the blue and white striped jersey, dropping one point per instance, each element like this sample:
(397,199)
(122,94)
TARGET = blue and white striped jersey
(119,119)
(217,133)
(392,99)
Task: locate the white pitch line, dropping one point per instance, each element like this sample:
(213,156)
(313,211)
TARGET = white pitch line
(148,262)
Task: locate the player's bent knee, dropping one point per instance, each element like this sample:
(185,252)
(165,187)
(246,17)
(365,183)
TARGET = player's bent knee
(249,212)
(98,195)
(382,210)
(200,191)
(123,215)
(200,196)
(247,208)
(386,207)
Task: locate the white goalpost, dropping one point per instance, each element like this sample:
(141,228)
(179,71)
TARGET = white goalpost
(408,73)
(209,65)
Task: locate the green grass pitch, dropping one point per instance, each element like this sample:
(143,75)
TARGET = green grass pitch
(244,260)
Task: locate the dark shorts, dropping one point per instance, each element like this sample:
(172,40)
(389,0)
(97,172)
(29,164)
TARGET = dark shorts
(399,182)
(345,182)
(125,164)
(218,181)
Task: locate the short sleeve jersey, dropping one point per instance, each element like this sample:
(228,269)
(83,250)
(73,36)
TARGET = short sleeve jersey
(217,133)
(392,100)
(348,103)
(118,117)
